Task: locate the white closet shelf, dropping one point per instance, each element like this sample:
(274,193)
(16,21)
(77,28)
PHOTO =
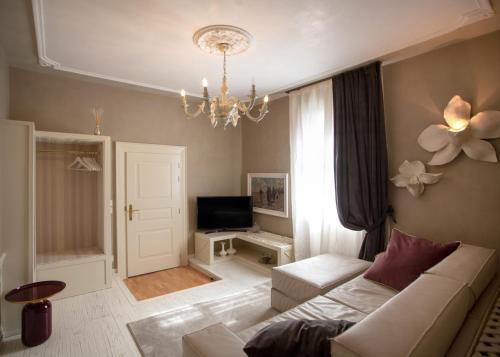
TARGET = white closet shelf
(51,260)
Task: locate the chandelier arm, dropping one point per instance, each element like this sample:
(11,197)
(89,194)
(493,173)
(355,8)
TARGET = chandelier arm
(243,108)
(252,103)
(262,113)
(201,109)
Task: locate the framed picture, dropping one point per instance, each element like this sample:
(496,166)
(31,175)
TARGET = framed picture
(269,193)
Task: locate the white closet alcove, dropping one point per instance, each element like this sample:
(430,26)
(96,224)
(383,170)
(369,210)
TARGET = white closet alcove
(73,211)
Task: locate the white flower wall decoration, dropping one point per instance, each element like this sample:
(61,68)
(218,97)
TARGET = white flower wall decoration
(412,176)
(462,133)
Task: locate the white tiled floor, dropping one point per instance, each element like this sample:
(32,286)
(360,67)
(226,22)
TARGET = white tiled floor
(95,324)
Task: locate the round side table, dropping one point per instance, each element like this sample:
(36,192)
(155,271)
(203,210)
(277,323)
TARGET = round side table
(37,311)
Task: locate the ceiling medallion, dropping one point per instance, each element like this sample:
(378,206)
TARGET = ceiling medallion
(224,40)
(211,37)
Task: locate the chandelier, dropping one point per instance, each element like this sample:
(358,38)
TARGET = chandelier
(224,109)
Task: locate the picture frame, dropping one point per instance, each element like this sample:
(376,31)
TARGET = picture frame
(269,193)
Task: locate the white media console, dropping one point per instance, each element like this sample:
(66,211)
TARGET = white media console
(249,252)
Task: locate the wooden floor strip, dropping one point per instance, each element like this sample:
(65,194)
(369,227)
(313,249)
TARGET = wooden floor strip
(165,281)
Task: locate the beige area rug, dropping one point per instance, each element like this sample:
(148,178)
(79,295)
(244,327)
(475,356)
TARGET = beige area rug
(161,335)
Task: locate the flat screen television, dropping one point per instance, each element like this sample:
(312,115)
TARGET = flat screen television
(222,213)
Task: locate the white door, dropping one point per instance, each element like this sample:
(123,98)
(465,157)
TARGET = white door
(154,210)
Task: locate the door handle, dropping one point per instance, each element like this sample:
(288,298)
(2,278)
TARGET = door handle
(131,211)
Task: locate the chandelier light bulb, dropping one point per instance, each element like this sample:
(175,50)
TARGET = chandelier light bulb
(266,99)
(183,92)
(204,82)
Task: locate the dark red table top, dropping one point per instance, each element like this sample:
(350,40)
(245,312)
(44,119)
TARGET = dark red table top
(35,291)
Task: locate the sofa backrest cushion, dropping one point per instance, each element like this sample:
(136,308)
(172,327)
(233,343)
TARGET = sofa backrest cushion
(475,266)
(422,320)
(405,259)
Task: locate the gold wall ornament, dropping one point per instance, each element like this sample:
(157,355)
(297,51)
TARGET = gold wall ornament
(225,109)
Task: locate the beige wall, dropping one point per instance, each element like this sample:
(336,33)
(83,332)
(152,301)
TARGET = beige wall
(266,148)
(465,205)
(56,102)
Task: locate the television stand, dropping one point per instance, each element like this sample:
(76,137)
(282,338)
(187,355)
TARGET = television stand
(281,247)
(226,230)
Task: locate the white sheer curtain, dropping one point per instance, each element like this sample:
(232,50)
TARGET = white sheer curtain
(316,227)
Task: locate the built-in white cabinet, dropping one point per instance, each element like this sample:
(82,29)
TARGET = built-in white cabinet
(73,211)
(56,217)
(16,215)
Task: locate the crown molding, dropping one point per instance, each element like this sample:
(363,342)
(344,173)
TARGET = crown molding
(482,10)
(45,61)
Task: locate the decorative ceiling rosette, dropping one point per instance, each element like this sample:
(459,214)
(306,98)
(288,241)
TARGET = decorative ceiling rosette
(412,176)
(462,133)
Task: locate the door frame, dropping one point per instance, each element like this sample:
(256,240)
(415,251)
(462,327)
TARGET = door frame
(122,148)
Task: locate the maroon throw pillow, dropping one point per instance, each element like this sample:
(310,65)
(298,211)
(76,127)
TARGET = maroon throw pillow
(405,259)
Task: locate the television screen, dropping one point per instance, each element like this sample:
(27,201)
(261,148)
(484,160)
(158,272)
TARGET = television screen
(225,212)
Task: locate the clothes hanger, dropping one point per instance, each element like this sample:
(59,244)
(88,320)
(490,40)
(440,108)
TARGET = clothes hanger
(79,165)
(92,162)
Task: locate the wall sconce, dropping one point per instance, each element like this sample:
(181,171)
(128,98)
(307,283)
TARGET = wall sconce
(462,133)
(412,176)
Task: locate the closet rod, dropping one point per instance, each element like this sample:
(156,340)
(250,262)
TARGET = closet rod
(75,152)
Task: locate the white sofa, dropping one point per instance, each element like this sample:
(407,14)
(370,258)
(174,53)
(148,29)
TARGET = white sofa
(436,315)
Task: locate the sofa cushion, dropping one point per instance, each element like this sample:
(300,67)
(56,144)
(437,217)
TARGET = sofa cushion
(215,340)
(361,294)
(282,302)
(475,266)
(315,276)
(296,338)
(319,308)
(406,258)
(422,320)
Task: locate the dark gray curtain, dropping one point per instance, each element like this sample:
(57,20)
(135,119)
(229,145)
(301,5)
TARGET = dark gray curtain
(361,155)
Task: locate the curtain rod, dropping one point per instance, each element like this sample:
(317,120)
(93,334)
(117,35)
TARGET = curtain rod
(331,77)
(308,84)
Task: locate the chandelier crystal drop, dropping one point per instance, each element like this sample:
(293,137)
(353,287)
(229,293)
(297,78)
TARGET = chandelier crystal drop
(224,109)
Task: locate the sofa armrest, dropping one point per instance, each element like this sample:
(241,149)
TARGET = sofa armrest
(421,321)
(213,341)
(339,350)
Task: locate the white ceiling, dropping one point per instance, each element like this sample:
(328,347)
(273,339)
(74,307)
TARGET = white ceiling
(295,41)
